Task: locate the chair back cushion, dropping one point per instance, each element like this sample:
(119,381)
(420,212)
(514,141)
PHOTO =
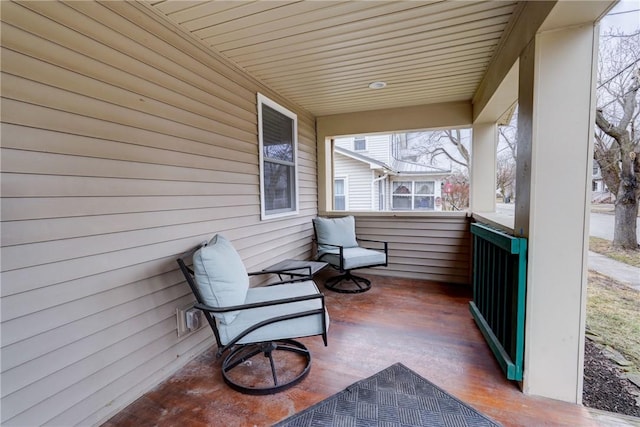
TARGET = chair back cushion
(220,276)
(335,231)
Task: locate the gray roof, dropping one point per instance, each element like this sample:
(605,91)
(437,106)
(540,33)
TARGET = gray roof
(397,167)
(405,167)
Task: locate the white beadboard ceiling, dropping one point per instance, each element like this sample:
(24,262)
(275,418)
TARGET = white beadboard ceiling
(323,54)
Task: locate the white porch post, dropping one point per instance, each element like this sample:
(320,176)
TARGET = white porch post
(555,131)
(483,167)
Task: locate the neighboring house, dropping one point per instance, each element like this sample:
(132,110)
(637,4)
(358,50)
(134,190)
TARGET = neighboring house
(599,191)
(368,177)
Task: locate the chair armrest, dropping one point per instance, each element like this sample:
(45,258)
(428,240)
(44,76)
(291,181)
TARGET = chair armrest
(375,241)
(210,309)
(341,254)
(291,316)
(370,240)
(268,321)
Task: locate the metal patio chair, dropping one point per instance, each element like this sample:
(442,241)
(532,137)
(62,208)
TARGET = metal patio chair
(249,322)
(337,245)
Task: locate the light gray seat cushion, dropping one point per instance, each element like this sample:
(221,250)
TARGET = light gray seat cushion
(294,328)
(220,276)
(355,257)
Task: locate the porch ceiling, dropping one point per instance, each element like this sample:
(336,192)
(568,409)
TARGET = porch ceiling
(323,54)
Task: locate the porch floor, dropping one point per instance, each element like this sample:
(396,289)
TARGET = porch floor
(424,325)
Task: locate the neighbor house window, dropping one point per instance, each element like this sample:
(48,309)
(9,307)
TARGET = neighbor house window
(339,194)
(359,144)
(413,195)
(277,132)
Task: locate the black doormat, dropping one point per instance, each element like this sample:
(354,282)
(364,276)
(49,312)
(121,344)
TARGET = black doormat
(394,397)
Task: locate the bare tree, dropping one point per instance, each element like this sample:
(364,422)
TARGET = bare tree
(506,157)
(506,176)
(617,143)
(447,144)
(456,192)
(432,147)
(450,145)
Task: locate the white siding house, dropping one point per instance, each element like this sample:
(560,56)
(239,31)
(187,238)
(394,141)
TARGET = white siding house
(356,179)
(599,191)
(371,179)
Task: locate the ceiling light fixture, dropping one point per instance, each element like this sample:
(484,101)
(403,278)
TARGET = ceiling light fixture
(377,85)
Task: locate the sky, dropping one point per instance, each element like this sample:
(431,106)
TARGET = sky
(628,20)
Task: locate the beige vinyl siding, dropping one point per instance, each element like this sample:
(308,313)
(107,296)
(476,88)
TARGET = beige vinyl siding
(124,144)
(434,247)
(358,183)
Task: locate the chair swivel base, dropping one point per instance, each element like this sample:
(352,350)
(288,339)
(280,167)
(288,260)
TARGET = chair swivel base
(335,284)
(242,355)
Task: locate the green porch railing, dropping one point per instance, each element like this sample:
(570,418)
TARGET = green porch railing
(499,287)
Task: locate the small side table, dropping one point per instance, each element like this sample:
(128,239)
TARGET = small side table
(295,267)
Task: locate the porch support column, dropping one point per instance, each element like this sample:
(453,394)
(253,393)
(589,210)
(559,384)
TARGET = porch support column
(483,167)
(555,132)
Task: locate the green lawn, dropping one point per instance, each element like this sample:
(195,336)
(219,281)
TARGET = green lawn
(613,313)
(603,246)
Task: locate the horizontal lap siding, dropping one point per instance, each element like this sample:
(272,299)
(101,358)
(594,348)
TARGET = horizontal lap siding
(358,184)
(430,248)
(378,147)
(123,145)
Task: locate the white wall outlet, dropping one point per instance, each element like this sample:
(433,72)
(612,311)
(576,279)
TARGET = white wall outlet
(193,319)
(189,319)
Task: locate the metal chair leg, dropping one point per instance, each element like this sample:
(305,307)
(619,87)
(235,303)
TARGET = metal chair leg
(362,284)
(244,353)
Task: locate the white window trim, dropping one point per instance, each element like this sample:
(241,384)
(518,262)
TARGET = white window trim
(413,195)
(264,215)
(346,192)
(354,144)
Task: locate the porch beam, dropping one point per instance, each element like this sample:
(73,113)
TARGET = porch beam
(429,116)
(524,24)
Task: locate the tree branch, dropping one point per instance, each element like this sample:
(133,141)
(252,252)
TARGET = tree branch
(439,150)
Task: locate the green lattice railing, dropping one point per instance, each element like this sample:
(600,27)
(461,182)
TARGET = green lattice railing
(499,287)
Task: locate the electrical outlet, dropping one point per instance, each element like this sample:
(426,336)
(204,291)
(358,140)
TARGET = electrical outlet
(193,319)
(188,319)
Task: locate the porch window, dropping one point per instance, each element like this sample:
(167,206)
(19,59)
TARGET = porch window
(359,144)
(277,132)
(413,195)
(339,194)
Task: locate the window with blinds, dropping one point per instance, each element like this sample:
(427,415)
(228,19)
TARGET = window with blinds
(278,159)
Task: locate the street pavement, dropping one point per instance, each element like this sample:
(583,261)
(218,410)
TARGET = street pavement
(600,225)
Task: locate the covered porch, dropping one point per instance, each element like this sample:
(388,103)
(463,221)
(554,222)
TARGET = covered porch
(130,134)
